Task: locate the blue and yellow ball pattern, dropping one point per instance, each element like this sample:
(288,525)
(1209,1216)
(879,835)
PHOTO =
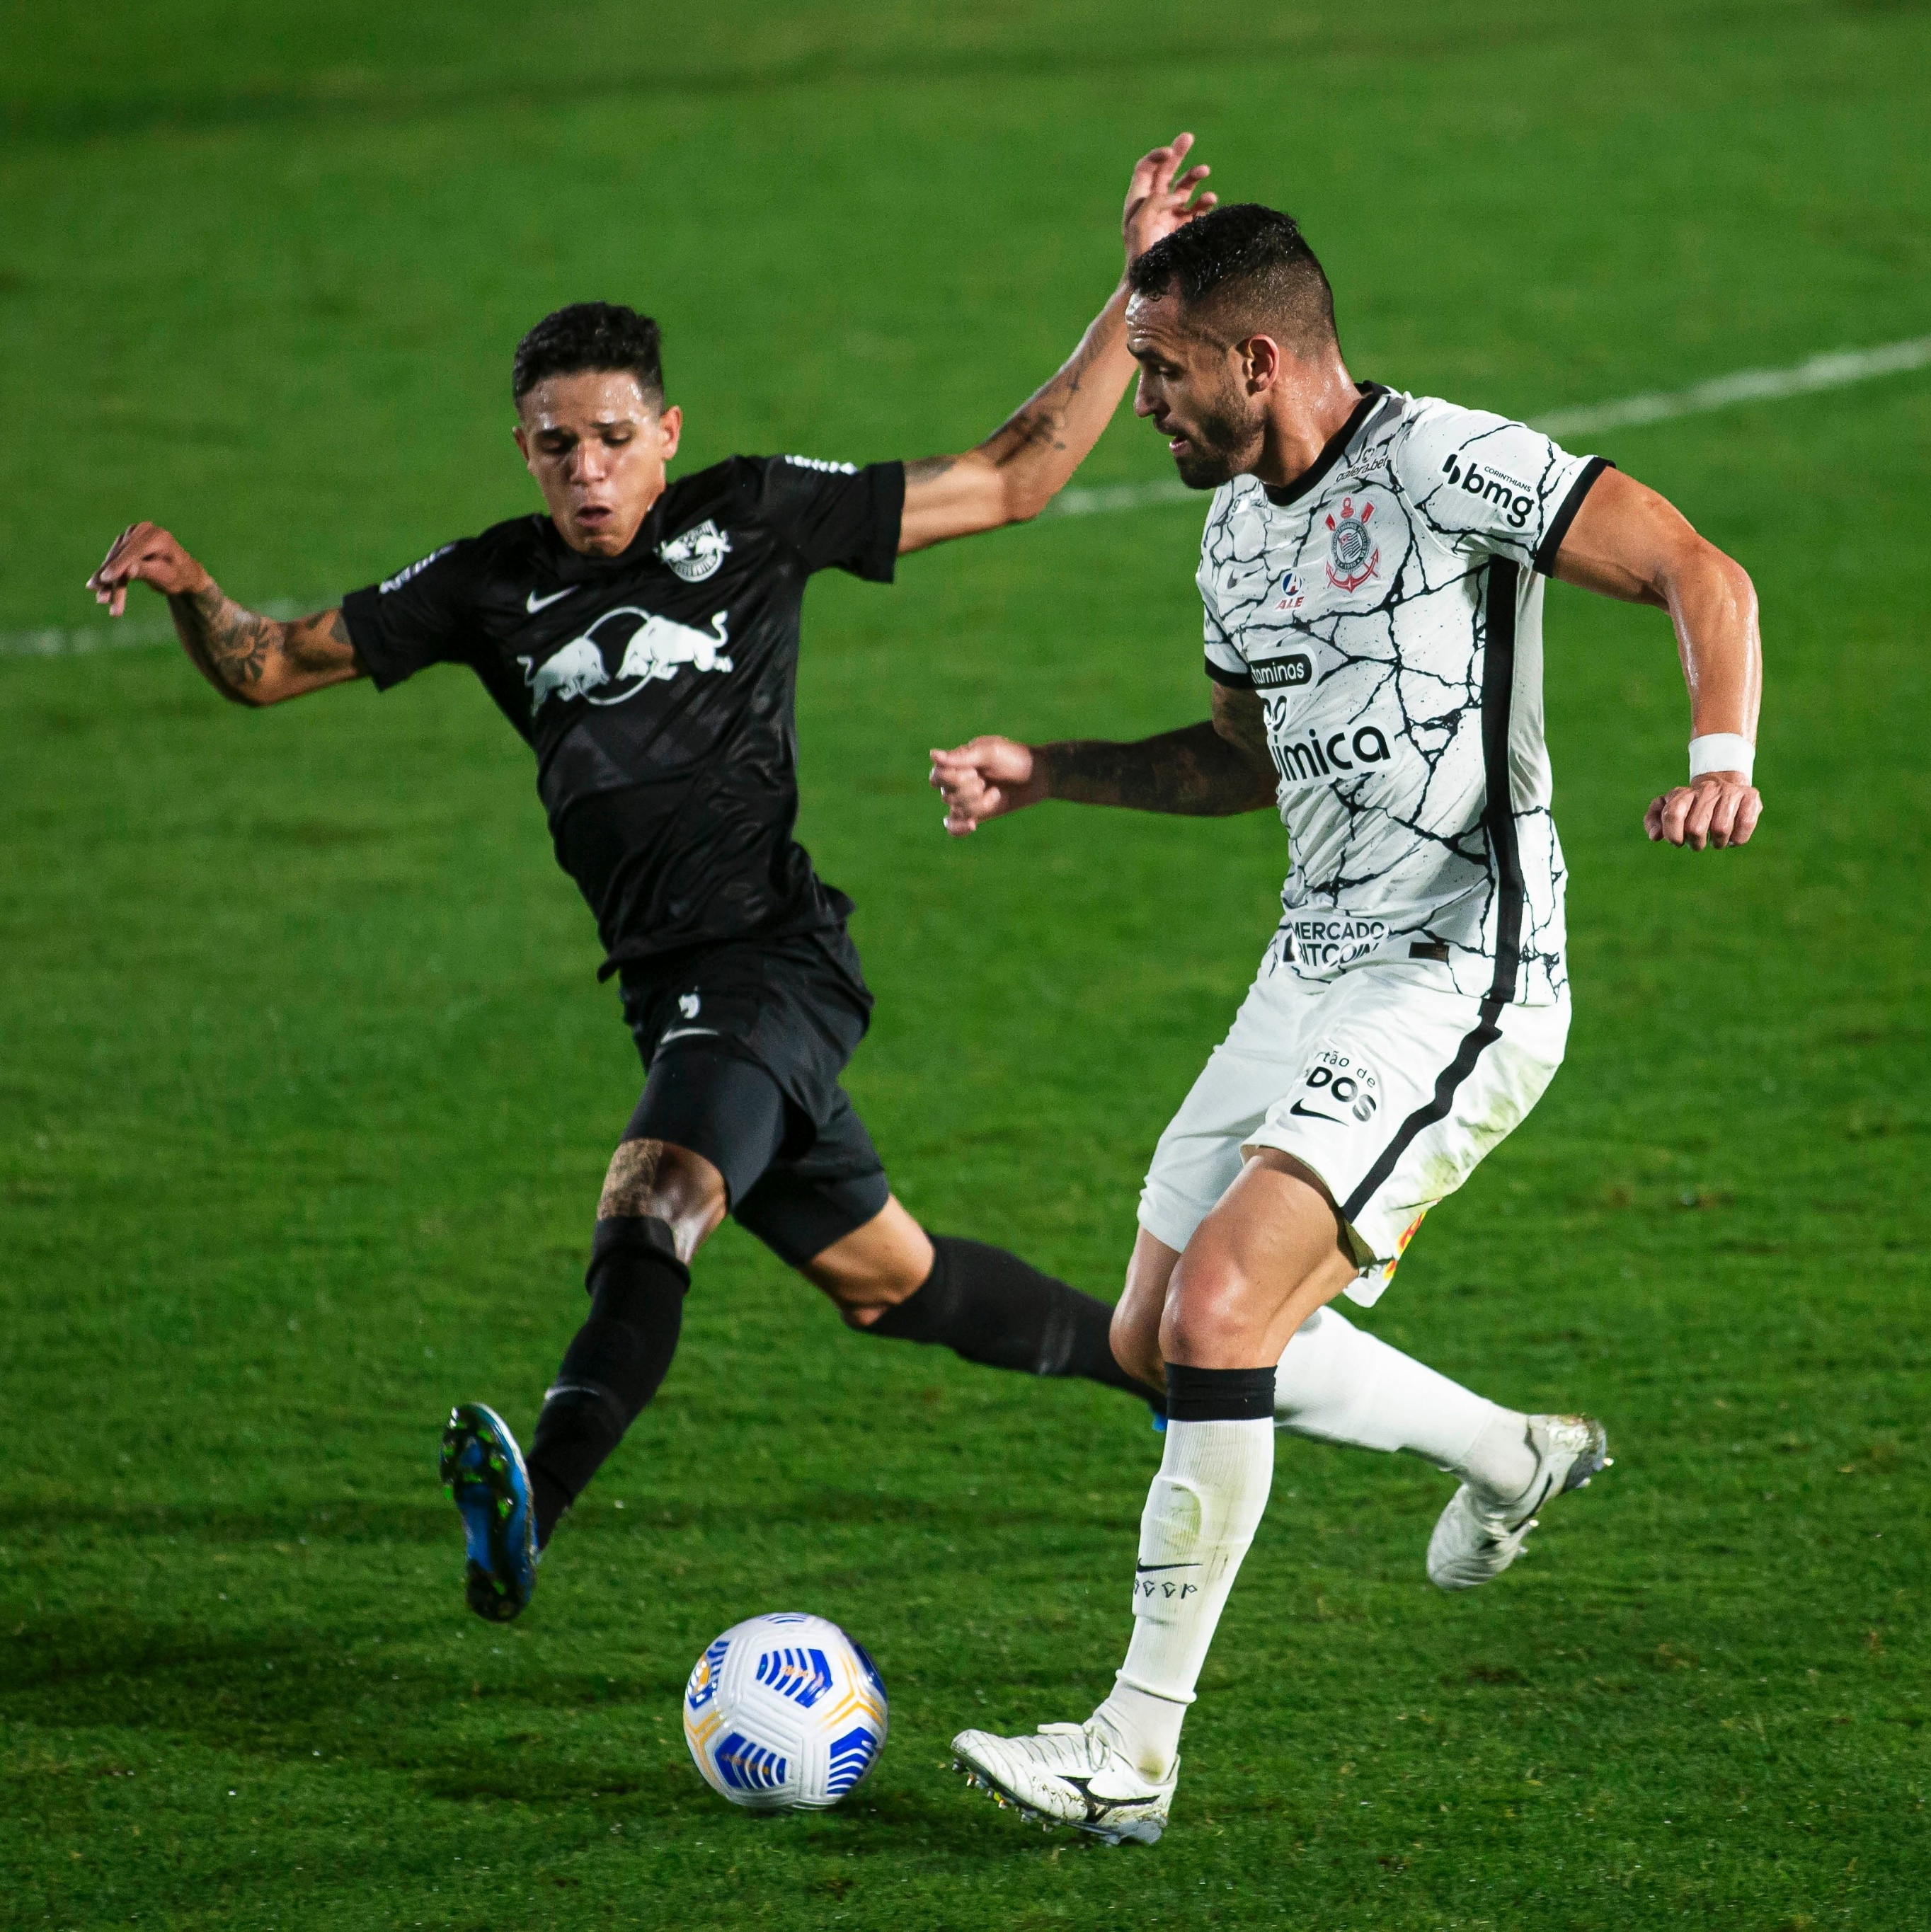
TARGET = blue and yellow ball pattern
(785,1712)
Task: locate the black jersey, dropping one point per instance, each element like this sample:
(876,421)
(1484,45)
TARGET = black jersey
(657,688)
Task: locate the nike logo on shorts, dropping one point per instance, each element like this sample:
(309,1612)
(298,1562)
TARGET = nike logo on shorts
(1146,1569)
(532,603)
(1308,1113)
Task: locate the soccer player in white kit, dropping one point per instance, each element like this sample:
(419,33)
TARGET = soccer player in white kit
(1371,572)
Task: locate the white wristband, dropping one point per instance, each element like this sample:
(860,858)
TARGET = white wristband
(1721,752)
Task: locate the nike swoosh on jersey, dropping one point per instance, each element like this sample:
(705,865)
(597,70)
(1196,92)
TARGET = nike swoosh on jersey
(532,603)
(1308,1113)
(687,1033)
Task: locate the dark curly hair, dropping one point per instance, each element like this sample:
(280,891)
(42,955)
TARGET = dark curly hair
(591,335)
(1241,270)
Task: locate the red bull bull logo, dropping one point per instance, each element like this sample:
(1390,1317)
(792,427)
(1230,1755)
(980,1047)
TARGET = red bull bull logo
(655,649)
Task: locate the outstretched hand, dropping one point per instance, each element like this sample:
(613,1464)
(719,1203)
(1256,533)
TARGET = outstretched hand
(145,553)
(1160,199)
(1720,809)
(986,778)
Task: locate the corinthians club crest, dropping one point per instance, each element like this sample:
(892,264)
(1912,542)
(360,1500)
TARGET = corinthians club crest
(1352,553)
(697,552)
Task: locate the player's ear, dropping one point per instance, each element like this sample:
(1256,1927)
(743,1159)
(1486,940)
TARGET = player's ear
(1261,359)
(523,448)
(670,430)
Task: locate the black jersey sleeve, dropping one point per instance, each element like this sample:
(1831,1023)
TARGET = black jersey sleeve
(834,516)
(421,616)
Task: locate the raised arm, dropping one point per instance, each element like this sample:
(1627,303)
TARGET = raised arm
(1208,770)
(1023,464)
(1629,542)
(250,659)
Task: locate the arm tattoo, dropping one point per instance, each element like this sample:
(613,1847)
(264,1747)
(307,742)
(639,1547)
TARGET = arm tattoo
(238,641)
(317,643)
(1017,469)
(1040,422)
(230,646)
(233,648)
(1195,773)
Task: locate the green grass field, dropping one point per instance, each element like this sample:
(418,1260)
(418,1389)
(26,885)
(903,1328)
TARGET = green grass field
(306,1084)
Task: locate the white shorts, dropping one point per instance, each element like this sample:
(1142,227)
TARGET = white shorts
(1386,1081)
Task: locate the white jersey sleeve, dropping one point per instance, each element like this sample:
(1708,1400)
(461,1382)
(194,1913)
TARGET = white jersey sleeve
(1490,487)
(1226,663)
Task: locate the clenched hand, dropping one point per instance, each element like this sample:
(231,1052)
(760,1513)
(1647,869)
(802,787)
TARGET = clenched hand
(1720,809)
(986,778)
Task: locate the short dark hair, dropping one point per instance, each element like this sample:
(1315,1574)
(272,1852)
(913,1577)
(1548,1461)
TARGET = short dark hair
(1246,270)
(591,335)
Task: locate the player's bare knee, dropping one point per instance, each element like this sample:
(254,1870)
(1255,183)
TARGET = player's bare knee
(1203,1326)
(874,1267)
(860,1298)
(654,1179)
(1211,1302)
(629,1183)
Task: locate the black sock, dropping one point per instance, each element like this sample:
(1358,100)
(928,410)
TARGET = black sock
(989,1306)
(613,1366)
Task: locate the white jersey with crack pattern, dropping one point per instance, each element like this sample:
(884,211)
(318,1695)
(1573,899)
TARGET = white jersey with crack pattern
(1387,611)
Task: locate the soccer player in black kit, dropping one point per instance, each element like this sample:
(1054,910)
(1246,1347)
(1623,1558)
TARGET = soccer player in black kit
(643,637)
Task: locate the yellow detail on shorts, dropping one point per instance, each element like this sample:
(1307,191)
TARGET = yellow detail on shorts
(1407,1235)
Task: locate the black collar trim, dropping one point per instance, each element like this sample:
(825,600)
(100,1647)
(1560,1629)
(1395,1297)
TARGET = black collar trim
(1332,451)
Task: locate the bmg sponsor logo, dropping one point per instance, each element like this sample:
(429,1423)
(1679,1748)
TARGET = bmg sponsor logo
(1508,493)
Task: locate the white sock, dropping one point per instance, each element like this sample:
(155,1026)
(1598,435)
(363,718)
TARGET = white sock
(1342,1383)
(1200,1517)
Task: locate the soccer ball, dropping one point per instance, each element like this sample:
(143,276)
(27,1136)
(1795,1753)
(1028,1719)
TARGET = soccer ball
(785,1713)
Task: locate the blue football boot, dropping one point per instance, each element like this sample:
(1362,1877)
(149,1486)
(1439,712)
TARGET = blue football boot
(483,1471)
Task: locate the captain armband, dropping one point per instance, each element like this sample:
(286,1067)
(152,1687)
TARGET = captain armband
(1721,752)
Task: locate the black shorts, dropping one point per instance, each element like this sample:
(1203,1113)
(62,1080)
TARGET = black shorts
(743,1044)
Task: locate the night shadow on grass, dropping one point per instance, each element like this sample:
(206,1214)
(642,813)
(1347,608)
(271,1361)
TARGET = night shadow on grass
(939,1818)
(296,1695)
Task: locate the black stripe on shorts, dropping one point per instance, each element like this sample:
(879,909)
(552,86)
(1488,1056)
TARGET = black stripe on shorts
(1498,685)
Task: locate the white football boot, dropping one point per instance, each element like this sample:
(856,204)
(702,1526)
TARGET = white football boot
(1480,1534)
(1068,1774)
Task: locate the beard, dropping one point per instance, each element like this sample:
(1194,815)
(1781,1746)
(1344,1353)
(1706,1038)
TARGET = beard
(1218,447)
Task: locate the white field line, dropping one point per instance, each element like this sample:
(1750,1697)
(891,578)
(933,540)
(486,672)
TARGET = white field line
(1747,385)
(121,634)
(1833,371)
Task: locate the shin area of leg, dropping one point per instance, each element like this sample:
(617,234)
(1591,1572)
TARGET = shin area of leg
(614,1363)
(1343,1384)
(987,1306)
(1201,1514)
(660,1201)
